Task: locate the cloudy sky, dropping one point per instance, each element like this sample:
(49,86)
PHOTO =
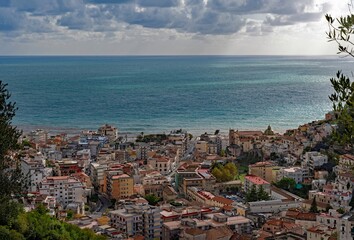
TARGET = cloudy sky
(125,27)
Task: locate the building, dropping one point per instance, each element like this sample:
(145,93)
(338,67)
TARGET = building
(154,183)
(34,169)
(163,165)
(252,180)
(118,185)
(345,226)
(66,190)
(68,167)
(263,170)
(346,163)
(272,206)
(137,219)
(312,160)
(279,226)
(108,131)
(295,173)
(190,175)
(194,226)
(97,175)
(320,232)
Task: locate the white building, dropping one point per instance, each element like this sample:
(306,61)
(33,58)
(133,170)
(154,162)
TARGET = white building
(34,170)
(137,219)
(66,189)
(272,206)
(295,173)
(97,175)
(313,160)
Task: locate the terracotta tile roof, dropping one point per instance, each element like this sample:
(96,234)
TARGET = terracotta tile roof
(250,133)
(256,180)
(307,216)
(222,200)
(319,204)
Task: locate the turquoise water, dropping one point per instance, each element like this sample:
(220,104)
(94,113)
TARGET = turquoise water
(162,93)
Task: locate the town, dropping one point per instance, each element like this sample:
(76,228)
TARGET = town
(240,185)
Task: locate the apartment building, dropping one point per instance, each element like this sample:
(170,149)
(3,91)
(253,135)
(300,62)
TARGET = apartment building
(97,175)
(312,160)
(296,173)
(263,170)
(108,131)
(66,189)
(118,185)
(252,180)
(34,170)
(141,219)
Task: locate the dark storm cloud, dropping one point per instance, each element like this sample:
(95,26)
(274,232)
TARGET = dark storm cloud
(214,17)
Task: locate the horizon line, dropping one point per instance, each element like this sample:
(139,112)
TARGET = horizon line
(169,55)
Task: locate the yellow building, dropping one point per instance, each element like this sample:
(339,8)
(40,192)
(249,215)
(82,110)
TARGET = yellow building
(263,170)
(118,185)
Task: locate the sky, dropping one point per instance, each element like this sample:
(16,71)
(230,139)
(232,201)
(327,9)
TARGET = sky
(167,27)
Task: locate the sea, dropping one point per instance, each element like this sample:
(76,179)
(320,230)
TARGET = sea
(156,94)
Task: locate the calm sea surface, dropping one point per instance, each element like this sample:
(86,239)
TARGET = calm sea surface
(159,94)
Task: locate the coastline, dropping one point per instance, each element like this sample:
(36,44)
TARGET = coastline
(130,134)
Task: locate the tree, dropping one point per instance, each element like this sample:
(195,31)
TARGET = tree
(152,199)
(261,194)
(10,174)
(216,173)
(231,167)
(286,184)
(313,208)
(224,173)
(340,31)
(251,195)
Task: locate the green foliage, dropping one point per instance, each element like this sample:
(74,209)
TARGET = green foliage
(14,223)
(223,153)
(262,195)
(216,172)
(9,210)
(176,204)
(289,184)
(6,233)
(93,198)
(152,199)
(10,173)
(70,214)
(251,195)
(225,173)
(151,138)
(340,31)
(257,194)
(37,225)
(340,211)
(286,184)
